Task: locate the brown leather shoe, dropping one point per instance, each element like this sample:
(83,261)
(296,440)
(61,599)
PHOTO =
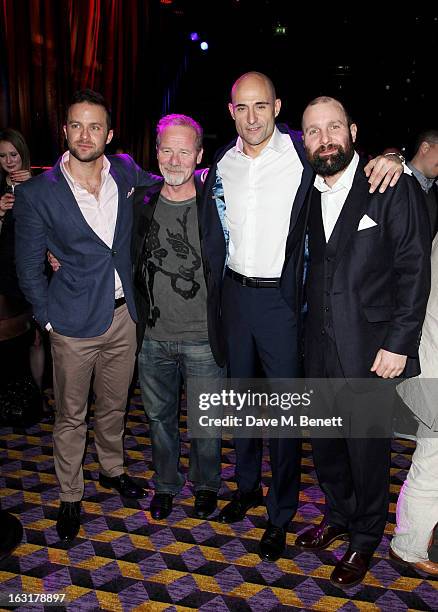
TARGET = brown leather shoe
(320,536)
(351,569)
(428,567)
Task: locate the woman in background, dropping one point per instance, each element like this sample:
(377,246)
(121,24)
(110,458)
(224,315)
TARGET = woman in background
(15,313)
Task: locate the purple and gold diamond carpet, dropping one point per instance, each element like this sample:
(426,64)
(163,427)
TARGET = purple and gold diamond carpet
(124,560)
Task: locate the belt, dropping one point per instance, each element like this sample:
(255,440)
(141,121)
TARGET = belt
(119,302)
(254,283)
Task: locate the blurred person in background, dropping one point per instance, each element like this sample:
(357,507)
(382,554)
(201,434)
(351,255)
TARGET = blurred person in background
(424,167)
(15,312)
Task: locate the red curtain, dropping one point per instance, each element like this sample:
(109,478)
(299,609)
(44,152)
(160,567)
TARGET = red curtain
(50,48)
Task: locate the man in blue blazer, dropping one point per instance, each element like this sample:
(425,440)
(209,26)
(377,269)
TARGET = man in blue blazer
(81,211)
(254,220)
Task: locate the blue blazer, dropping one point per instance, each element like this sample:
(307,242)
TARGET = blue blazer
(78,301)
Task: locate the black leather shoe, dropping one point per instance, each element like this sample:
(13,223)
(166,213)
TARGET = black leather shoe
(237,508)
(68,522)
(123,484)
(320,536)
(351,569)
(272,544)
(205,503)
(11,533)
(161,505)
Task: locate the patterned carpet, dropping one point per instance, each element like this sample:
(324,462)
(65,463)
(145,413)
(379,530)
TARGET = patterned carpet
(124,560)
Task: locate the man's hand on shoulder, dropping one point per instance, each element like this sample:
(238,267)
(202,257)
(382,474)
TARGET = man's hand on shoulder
(388,365)
(383,170)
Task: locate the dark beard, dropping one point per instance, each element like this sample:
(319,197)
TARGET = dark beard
(328,166)
(85,157)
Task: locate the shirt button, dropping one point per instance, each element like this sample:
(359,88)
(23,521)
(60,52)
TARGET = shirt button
(327,309)
(113,252)
(323,332)
(328,258)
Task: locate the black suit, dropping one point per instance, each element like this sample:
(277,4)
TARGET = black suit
(366,290)
(261,328)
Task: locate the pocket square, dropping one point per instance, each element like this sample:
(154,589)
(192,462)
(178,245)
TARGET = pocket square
(129,194)
(365,223)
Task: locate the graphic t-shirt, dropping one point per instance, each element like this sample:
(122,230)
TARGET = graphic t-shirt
(176,285)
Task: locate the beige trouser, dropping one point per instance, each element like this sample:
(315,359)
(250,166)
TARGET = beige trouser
(111,357)
(417,505)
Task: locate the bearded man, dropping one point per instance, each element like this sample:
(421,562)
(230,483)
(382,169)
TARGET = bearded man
(367,288)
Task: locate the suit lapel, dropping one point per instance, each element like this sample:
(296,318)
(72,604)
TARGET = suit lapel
(306,181)
(352,212)
(145,203)
(122,189)
(302,199)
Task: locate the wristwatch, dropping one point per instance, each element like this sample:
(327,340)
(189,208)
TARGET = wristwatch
(399,155)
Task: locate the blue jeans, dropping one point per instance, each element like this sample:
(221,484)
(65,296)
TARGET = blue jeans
(160,365)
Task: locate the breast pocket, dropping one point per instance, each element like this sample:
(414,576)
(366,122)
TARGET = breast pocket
(369,232)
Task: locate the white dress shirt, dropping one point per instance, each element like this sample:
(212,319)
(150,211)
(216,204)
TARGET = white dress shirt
(259,193)
(100,214)
(333,198)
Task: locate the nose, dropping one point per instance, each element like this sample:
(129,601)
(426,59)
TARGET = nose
(324,136)
(175,159)
(251,116)
(85,134)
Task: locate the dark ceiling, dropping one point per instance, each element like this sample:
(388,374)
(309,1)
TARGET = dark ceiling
(382,68)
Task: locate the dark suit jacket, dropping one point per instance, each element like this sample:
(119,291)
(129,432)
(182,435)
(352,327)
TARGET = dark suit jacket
(381,278)
(145,201)
(79,301)
(214,242)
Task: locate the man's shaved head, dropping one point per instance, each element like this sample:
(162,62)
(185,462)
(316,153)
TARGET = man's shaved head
(256,76)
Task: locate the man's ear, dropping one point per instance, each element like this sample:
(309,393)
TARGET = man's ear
(353,131)
(277,106)
(231,109)
(199,156)
(64,128)
(109,137)
(424,147)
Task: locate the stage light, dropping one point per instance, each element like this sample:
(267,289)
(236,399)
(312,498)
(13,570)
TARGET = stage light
(194,36)
(204,45)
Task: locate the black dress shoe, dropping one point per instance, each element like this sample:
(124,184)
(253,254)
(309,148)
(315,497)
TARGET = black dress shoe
(320,536)
(272,544)
(68,522)
(205,503)
(237,508)
(123,484)
(11,533)
(351,569)
(161,505)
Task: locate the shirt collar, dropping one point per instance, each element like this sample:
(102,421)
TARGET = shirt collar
(276,143)
(71,181)
(425,183)
(345,181)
